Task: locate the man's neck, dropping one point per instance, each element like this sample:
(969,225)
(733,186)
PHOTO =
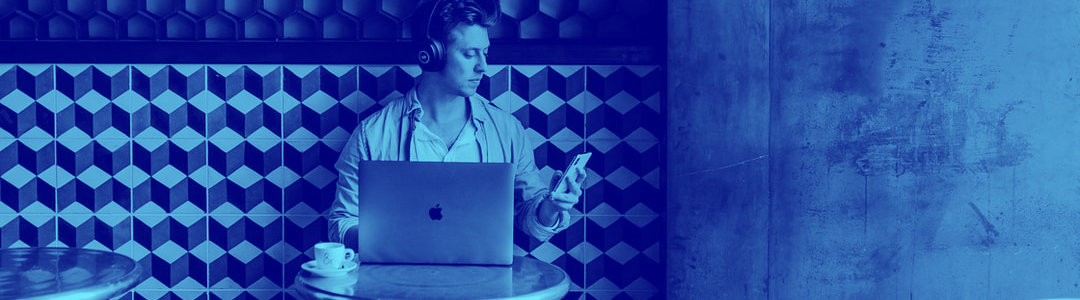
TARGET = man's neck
(440,106)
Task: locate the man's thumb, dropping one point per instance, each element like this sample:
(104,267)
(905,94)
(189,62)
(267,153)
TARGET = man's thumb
(555,179)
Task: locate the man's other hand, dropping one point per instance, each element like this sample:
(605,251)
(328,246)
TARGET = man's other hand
(571,189)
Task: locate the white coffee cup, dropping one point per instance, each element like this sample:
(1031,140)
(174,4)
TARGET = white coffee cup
(330,256)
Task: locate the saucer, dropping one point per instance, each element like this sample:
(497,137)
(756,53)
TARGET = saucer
(313,267)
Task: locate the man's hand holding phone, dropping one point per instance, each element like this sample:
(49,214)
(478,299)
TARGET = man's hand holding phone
(567,188)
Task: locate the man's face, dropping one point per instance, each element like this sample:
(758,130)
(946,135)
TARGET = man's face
(466,59)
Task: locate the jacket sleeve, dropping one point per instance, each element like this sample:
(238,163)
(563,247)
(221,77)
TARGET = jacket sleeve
(343,210)
(530,189)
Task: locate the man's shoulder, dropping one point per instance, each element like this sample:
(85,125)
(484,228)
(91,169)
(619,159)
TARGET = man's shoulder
(498,114)
(391,113)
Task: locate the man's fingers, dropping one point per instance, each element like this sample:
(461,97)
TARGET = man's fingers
(574,186)
(561,198)
(563,204)
(555,179)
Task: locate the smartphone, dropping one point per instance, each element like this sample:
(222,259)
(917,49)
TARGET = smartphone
(579,161)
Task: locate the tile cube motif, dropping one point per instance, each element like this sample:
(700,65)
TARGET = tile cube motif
(623,261)
(328,101)
(494,85)
(252,101)
(27,230)
(310,177)
(29,184)
(248,169)
(303,228)
(548,92)
(638,81)
(630,100)
(171,101)
(106,233)
(37,155)
(98,180)
(85,105)
(385,83)
(163,176)
(169,249)
(251,252)
(557,250)
(551,154)
(161,294)
(27,101)
(249,294)
(626,177)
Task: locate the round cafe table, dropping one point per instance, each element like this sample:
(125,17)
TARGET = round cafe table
(65,273)
(526,278)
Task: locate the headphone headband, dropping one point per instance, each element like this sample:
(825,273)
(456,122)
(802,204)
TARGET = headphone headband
(427,31)
(431,55)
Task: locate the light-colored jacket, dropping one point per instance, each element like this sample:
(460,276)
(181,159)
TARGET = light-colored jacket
(387,135)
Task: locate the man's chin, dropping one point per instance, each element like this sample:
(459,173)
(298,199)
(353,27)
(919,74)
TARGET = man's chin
(467,92)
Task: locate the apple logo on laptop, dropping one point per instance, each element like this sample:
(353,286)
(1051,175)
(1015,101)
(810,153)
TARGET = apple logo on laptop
(435,212)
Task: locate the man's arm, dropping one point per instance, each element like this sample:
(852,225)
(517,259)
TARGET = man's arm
(531,191)
(342,214)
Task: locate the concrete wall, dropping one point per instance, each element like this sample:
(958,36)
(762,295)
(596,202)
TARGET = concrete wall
(925,149)
(718,120)
(917,149)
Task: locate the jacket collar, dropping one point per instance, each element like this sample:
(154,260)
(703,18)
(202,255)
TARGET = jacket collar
(414,111)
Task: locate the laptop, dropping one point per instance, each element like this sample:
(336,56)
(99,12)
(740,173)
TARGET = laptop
(436,213)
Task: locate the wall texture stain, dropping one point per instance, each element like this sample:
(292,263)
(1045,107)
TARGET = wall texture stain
(905,133)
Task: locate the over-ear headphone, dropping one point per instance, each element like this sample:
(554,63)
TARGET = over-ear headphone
(432,54)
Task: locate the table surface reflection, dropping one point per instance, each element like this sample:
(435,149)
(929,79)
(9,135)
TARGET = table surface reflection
(65,273)
(526,278)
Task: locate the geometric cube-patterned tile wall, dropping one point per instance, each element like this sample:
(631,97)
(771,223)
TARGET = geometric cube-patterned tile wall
(215,177)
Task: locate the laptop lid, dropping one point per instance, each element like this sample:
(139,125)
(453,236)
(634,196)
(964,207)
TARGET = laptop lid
(435,212)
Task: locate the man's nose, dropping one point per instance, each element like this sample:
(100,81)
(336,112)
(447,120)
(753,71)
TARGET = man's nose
(482,65)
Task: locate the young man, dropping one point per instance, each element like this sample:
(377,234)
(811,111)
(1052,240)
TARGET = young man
(439,120)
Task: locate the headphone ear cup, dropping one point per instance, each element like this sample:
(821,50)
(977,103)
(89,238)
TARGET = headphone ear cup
(436,56)
(425,53)
(440,55)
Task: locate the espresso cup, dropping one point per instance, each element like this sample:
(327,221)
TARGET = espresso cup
(331,256)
